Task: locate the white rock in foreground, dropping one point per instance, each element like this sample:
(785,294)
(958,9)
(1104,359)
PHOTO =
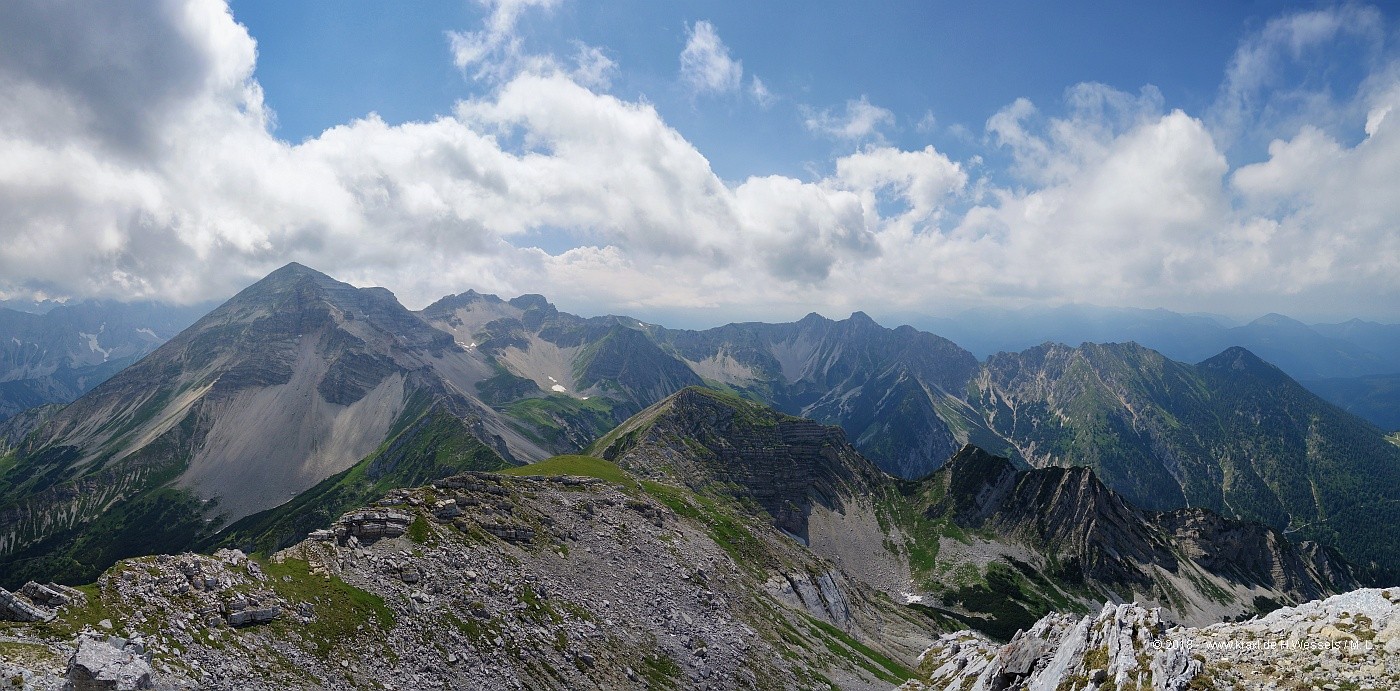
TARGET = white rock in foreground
(1352,638)
(101,665)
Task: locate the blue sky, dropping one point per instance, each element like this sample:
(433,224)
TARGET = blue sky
(323,64)
(702,162)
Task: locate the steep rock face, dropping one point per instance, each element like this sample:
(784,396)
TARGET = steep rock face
(786,464)
(1092,536)
(1254,554)
(294,380)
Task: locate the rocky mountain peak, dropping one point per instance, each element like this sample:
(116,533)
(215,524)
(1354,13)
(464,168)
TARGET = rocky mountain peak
(445,305)
(292,271)
(860,319)
(1241,360)
(295,300)
(530,301)
(971,460)
(977,482)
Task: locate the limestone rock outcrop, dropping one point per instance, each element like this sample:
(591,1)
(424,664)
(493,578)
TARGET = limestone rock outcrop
(17,607)
(1352,639)
(110,665)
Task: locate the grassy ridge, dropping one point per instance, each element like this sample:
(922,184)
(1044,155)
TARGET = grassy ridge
(584,466)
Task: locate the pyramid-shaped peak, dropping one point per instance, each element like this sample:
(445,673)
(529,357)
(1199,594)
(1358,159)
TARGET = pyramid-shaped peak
(295,269)
(1275,319)
(287,278)
(1240,359)
(973,466)
(296,272)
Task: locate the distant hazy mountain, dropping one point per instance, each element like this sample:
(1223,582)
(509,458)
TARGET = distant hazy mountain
(1381,339)
(30,306)
(1350,364)
(1305,353)
(1375,398)
(1352,349)
(53,353)
(987,332)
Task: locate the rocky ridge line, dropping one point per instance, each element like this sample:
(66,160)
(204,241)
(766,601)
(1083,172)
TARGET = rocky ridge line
(493,582)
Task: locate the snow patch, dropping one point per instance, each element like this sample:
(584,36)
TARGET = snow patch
(148,332)
(92,343)
(557,387)
(466,346)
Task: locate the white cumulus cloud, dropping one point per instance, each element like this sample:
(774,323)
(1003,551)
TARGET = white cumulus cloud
(496,47)
(705,63)
(136,160)
(860,120)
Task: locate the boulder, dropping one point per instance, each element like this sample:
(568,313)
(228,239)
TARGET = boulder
(46,595)
(98,666)
(253,615)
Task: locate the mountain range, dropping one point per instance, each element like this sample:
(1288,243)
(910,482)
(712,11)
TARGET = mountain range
(1353,364)
(54,353)
(790,505)
(993,545)
(303,396)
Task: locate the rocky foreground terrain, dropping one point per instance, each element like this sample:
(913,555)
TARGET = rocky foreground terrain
(1349,641)
(497,581)
(478,581)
